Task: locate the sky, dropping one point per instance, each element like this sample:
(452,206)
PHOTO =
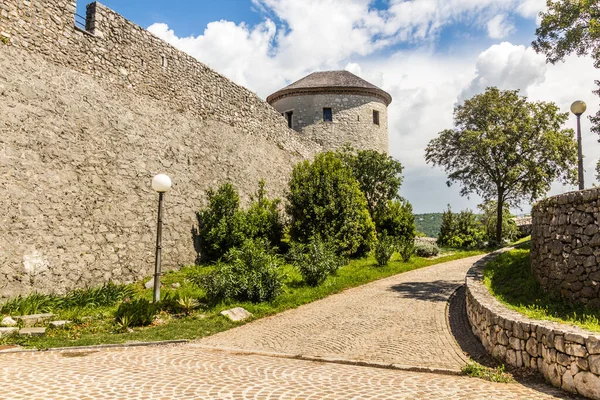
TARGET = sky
(428,54)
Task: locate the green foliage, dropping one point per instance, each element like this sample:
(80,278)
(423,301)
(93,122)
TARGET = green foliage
(4,40)
(263,219)
(462,230)
(429,224)
(476,370)
(379,176)
(251,273)
(188,304)
(505,148)
(35,303)
(396,220)
(136,312)
(489,218)
(406,247)
(222,225)
(325,200)
(384,249)
(315,260)
(509,278)
(425,249)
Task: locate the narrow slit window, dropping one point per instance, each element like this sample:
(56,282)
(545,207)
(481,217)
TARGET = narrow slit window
(289,115)
(327,115)
(376,117)
(163,61)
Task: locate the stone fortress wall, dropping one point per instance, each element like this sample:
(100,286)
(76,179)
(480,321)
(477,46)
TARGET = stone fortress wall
(352,119)
(565,245)
(567,356)
(88,117)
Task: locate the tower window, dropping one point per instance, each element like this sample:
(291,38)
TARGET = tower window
(327,115)
(289,115)
(376,117)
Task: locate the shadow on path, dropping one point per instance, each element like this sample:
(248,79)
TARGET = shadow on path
(427,291)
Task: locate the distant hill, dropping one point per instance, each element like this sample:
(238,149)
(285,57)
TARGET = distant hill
(429,224)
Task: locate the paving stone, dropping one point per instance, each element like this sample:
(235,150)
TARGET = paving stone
(30,320)
(236,314)
(8,331)
(32,332)
(8,321)
(59,324)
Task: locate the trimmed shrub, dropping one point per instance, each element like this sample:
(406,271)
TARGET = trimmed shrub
(462,230)
(406,247)
(315,261)
(424,249)
(250,273)
(325,200)
(384,249)
(222,225)
(138,312)
(396,220)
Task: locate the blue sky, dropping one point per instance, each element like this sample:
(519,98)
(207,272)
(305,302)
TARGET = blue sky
(429,54)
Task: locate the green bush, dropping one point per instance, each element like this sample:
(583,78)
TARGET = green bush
(325,200)
(250,273)
(406,247)
(263,219)
(488,219)
(424,249)
(462,230)
(396,220)
(137,312)
(222,225)
(384,249)
(315,261)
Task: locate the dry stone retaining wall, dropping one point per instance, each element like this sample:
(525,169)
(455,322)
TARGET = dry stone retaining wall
(565,245)
(87,119)
(568,357)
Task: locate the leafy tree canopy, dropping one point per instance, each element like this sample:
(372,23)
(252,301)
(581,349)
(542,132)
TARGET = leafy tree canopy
(379,176)
(571,26)
(505,148)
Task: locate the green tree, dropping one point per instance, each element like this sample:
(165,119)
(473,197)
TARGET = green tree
(571,26)
(379,176)
(489,219)
(447,228)
(325,201)
(505,148)
(461,230)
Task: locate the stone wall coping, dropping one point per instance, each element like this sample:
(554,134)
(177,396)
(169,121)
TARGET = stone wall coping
(567,356)
(481,293)
(575,197)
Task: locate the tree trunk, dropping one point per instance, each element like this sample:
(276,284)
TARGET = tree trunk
(500,210)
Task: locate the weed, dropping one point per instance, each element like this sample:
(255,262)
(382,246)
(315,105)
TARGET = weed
(497,374)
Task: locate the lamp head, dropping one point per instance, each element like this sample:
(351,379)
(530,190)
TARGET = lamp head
(578,107)
(161,183)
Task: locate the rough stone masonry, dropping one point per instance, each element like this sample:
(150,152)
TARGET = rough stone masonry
(87,118)
(565,245)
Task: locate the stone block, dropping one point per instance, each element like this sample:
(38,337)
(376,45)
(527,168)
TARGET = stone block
(532,347)
(568,382)
(575,349)
(559,343)
(593,345)
(32,332)
(8,321)
(563,359)
(8,331)
(59,324)
(587,384)
(30,320)
(236,314)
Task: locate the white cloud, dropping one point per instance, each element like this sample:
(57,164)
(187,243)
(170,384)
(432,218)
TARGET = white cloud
(499,27)
(300,37)
(506,66)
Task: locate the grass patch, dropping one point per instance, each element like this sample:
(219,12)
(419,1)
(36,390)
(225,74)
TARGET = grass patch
(498,374)
(95,325)
(509,279)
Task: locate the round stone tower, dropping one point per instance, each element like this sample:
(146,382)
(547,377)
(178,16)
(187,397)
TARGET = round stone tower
(334,108)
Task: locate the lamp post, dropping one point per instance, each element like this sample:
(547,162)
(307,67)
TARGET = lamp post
(579,108)
(161,183)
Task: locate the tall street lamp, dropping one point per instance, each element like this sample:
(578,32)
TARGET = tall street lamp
(579,108)
(161,183)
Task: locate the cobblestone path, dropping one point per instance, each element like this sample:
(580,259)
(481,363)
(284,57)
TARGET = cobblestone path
(400,320)
(186,372)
